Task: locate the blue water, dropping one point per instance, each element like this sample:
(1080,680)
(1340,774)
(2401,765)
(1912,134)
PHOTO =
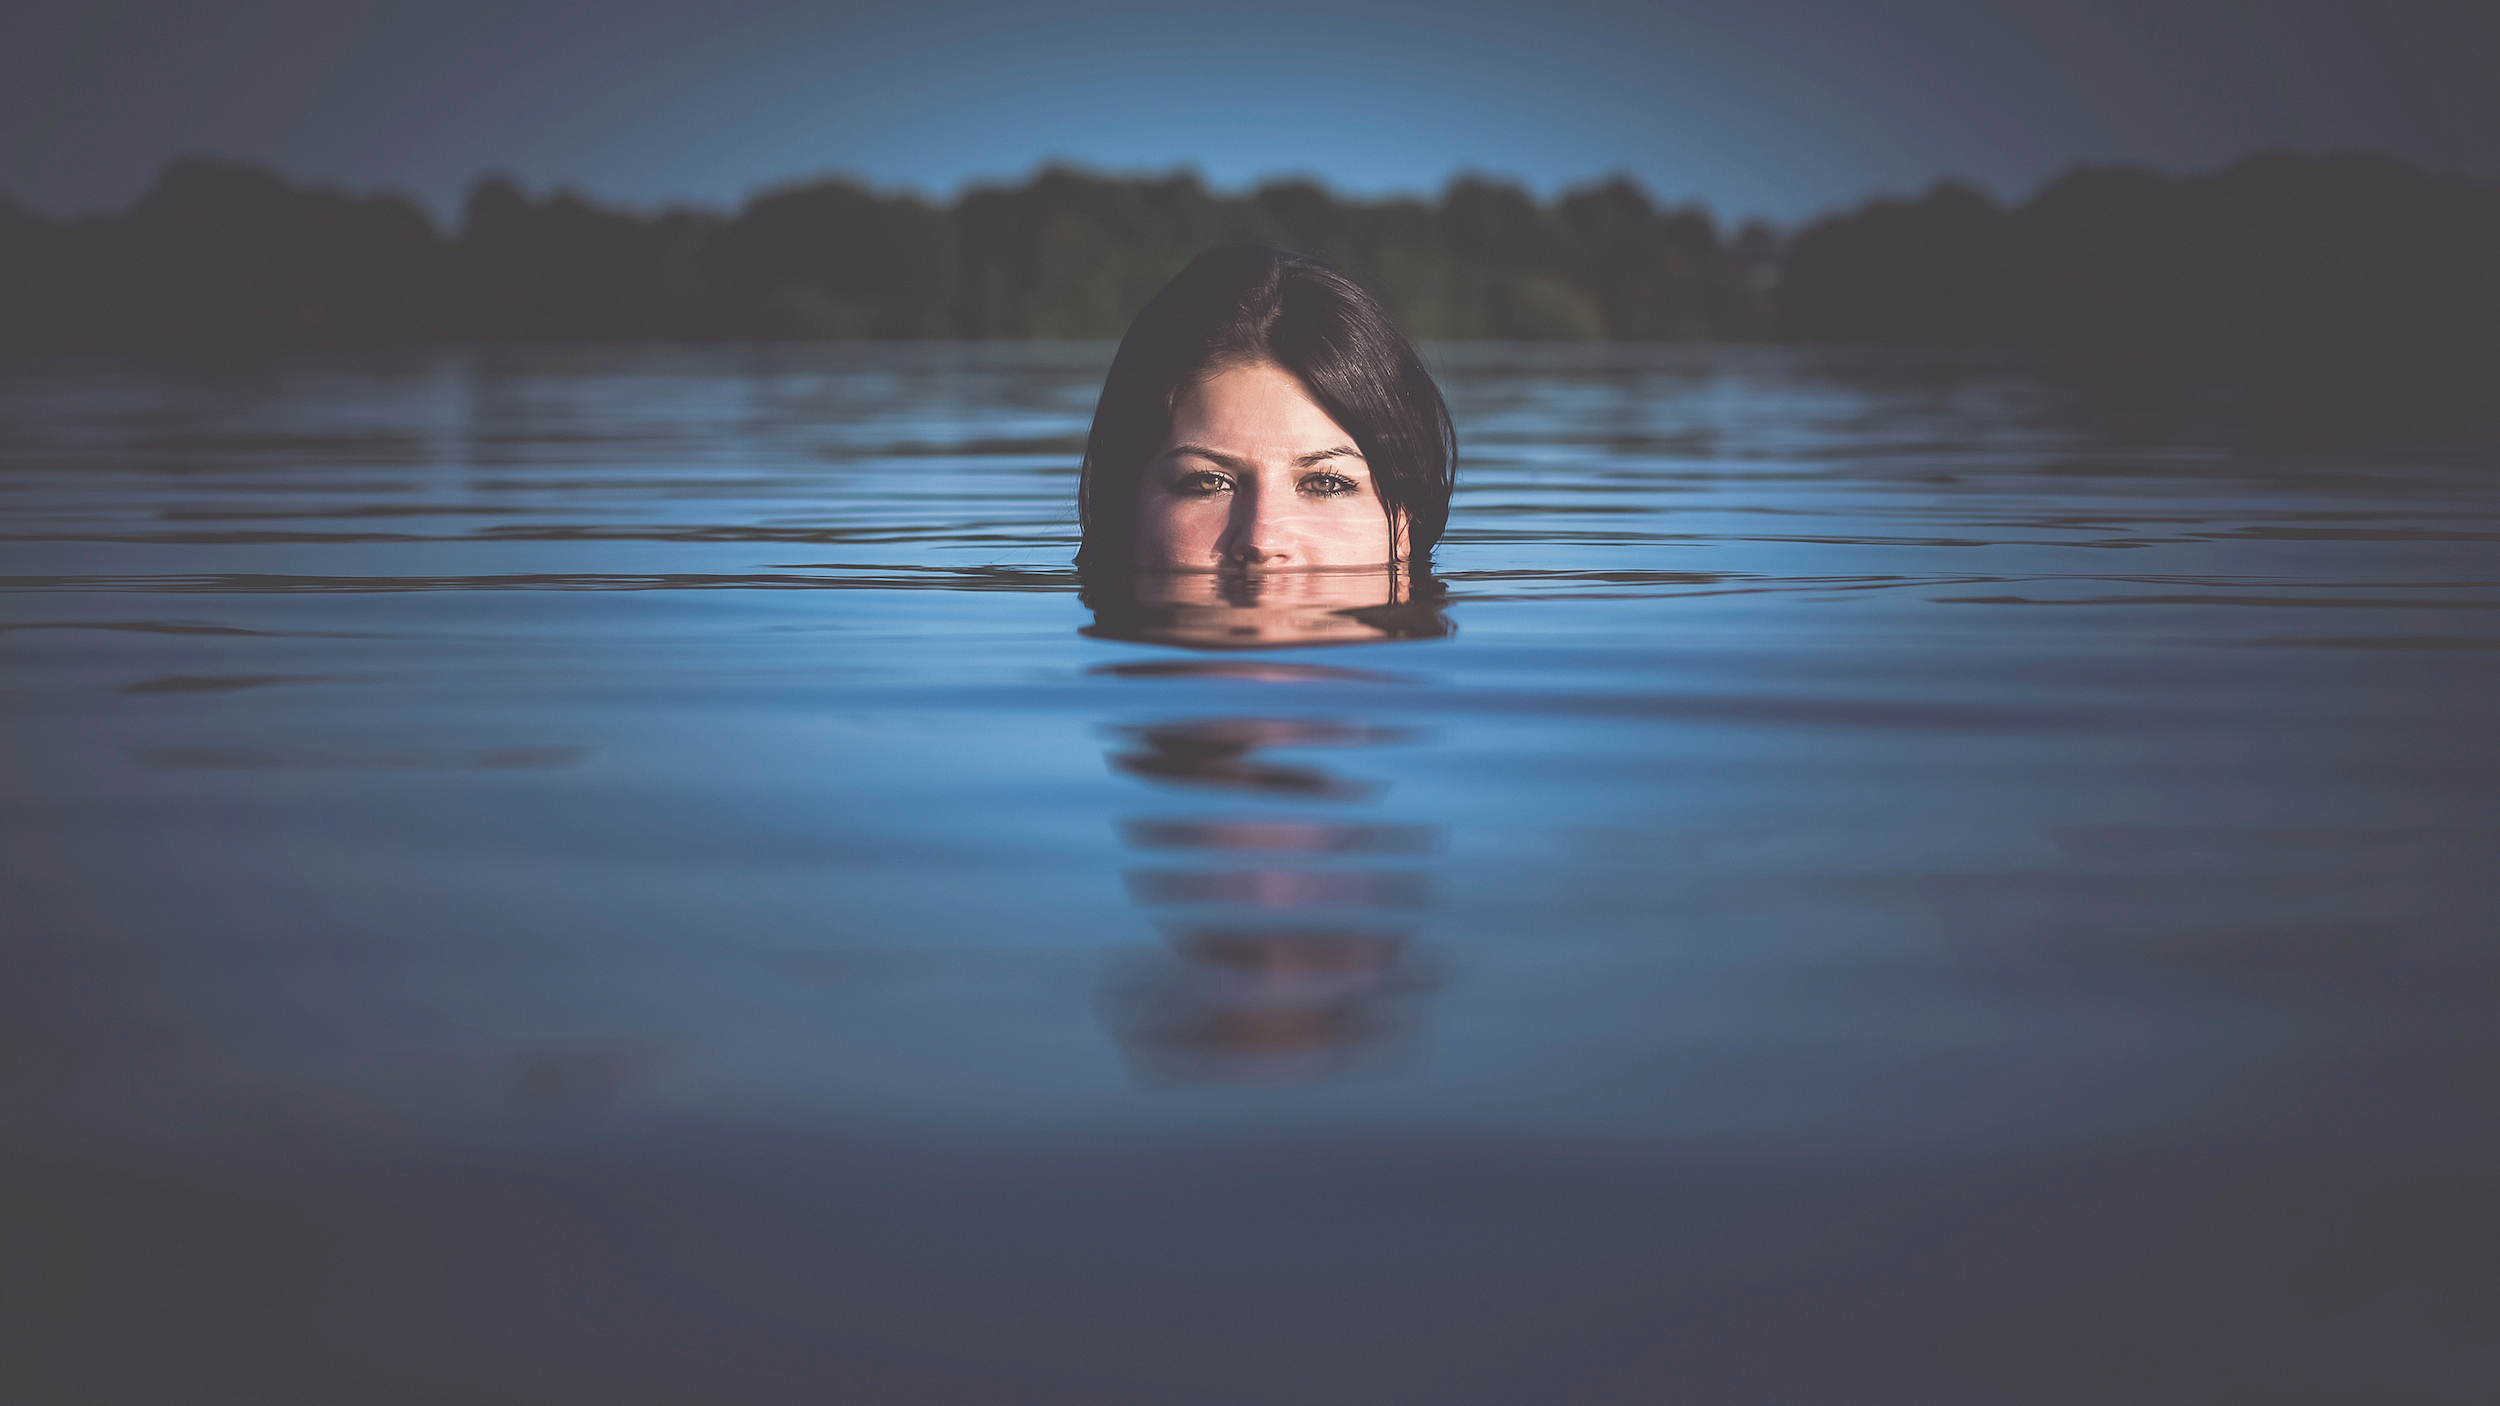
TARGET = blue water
(616,875)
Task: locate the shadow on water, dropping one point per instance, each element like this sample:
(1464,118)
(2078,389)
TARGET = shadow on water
(1289,931)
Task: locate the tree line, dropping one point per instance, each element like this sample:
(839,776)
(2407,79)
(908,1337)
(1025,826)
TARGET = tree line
(2282,271)
(221,255)
(2351,286)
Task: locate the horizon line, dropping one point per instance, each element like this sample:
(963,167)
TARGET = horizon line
(1544,194)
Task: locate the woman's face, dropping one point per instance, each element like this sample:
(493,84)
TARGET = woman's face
(1255,476)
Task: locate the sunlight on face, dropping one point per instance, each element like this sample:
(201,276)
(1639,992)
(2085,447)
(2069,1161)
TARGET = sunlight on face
(1255,476)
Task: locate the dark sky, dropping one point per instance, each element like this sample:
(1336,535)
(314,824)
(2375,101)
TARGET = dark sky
(1778,107)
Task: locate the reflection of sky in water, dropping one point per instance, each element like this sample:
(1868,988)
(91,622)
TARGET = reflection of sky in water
(644,829)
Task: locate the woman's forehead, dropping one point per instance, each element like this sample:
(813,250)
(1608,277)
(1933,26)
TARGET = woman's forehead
(1254,407)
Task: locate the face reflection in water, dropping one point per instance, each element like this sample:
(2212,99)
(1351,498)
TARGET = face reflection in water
(1267,610)
(1255,476)
(1288,916)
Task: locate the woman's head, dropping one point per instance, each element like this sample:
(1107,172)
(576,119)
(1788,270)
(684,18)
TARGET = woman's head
(1263,413)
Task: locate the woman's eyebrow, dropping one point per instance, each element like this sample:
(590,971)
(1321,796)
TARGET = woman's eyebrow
(1241,465)
(1322,456)
(1231,461)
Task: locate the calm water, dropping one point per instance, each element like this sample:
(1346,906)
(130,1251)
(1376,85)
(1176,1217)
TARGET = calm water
(618,876)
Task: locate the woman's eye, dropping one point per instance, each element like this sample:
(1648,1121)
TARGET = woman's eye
(1328,485)
(1201,484)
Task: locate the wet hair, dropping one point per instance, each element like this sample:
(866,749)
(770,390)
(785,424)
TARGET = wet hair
(1248,304)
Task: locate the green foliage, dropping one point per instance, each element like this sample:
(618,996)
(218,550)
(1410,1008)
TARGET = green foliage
(2306,281)
(222,255)
(2342,292)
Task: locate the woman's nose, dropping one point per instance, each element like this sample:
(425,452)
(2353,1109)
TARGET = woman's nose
(1261,534)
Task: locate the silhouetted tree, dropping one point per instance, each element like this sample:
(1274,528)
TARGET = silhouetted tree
(1929,271)
(563,269)
(217,255)
(1646,280)
(36,303)
(831,259)
(1510,268)
(2315,286)
(2325,292)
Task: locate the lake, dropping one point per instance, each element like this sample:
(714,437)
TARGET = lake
(632,875)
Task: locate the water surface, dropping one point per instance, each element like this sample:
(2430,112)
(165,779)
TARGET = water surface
(632,875)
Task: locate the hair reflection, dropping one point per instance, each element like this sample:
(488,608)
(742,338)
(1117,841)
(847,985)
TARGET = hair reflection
(1289,952)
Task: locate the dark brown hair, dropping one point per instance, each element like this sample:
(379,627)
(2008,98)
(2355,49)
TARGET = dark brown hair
(1250,304)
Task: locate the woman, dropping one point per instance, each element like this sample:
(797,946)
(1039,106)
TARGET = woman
(1264,415)
(1270,467)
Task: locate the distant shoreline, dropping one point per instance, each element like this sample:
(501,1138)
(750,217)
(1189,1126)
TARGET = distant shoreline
(2353,284)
